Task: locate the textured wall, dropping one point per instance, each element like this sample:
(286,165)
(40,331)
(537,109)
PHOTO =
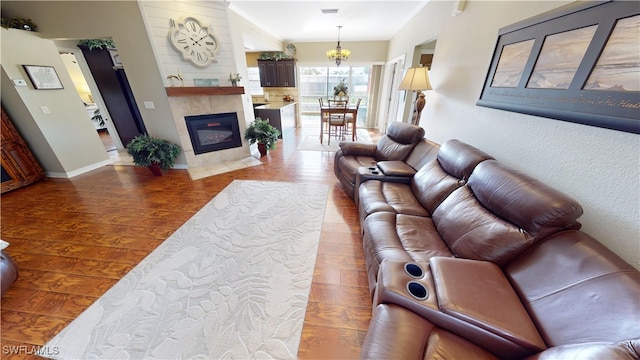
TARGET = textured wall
(598,167)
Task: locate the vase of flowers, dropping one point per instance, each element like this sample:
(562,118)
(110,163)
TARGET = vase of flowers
(341,90)
(234,78)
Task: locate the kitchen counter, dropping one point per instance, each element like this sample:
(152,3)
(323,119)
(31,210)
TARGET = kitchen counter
(275,105)
(282,115)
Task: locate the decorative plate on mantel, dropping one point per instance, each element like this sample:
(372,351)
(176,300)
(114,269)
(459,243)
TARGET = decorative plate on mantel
(290,50)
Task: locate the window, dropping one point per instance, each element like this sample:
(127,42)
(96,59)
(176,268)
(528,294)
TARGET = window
(254,81)
(316,82)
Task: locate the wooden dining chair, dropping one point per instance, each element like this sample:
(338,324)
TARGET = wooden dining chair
(324,120)
(350,122)
(337,119)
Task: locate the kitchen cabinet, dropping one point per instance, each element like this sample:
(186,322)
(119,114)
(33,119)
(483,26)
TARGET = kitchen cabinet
(19,167)
(281,115)
(281,73)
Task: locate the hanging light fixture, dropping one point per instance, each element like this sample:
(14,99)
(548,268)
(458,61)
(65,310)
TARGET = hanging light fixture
(338,54)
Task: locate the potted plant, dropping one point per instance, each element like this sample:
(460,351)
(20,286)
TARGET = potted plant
(341,90)
(234,79)
(156,154)
(263,133)
(97,43)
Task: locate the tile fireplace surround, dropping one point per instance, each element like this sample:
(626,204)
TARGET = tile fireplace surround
(200,101)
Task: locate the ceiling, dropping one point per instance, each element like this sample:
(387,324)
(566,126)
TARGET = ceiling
(303,20)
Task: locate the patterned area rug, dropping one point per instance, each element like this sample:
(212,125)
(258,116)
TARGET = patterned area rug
(232,282)
(311,142)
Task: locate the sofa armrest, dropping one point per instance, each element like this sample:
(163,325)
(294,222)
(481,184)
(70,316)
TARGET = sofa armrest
(357,149)
(396,168)
(588,351)
(477,292)
(396,285)
(8,272)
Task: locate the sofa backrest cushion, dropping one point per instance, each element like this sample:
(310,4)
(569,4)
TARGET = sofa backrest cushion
(424,151)
(398,142)
(535,207)
(459,159)
(440,177)
(577,291)
(500,213)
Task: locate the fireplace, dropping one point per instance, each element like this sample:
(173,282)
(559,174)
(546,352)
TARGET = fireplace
(213,132)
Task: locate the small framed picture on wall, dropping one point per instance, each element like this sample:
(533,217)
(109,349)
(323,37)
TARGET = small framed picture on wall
(43,77)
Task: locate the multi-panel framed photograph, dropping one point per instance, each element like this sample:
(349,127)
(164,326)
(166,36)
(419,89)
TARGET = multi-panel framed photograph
(580,63)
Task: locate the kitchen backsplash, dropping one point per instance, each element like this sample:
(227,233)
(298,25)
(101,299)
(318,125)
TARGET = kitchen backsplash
(274,94)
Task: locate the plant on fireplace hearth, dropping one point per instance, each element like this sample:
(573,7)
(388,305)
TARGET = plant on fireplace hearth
(263,133)
(149,151)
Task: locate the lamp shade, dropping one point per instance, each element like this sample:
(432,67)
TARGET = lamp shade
(416,78)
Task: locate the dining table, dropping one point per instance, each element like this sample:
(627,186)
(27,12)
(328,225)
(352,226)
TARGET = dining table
(327,111)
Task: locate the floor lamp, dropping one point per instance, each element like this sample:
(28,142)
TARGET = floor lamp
(417,79)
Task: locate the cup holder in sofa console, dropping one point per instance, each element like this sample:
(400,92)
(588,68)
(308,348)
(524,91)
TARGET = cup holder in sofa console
(417,290)
(414,270)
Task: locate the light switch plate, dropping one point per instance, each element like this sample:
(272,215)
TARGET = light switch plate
(19,82)
(149,105)
(45,110)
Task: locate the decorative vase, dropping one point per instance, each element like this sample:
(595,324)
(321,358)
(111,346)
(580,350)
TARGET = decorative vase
(155,169)
(262,148)
(234,83)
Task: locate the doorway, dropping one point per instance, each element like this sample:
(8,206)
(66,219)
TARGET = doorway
(97,114)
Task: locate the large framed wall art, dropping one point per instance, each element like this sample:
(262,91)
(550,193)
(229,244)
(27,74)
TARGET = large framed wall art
(580,63)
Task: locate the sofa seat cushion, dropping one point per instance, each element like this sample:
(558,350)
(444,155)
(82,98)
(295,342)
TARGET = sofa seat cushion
(397,333)
(376,196)
(394,236)
(577,290)
(349,165)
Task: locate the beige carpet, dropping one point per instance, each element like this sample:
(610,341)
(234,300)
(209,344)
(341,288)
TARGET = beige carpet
(231,283)
(311,141)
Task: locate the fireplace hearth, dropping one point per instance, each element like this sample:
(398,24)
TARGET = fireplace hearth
(213,132)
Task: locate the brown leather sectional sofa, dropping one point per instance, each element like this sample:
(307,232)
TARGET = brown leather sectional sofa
(8,272)
(470,259)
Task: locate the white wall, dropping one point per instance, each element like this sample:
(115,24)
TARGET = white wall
(64,141)
(598,167)
(157,14)
(362,53)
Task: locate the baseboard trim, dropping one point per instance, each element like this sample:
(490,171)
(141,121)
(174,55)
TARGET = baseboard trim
(70,174)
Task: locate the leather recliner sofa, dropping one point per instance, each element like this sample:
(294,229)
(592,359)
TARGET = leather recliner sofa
(8,272)
(502,268)
(403,145)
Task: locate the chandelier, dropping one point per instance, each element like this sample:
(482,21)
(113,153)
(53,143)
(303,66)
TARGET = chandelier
(338,54)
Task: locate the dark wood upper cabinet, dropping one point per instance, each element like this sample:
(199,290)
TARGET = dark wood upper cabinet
(281,73)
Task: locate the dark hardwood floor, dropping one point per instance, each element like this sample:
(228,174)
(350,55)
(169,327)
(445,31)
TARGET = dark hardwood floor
(75,238)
